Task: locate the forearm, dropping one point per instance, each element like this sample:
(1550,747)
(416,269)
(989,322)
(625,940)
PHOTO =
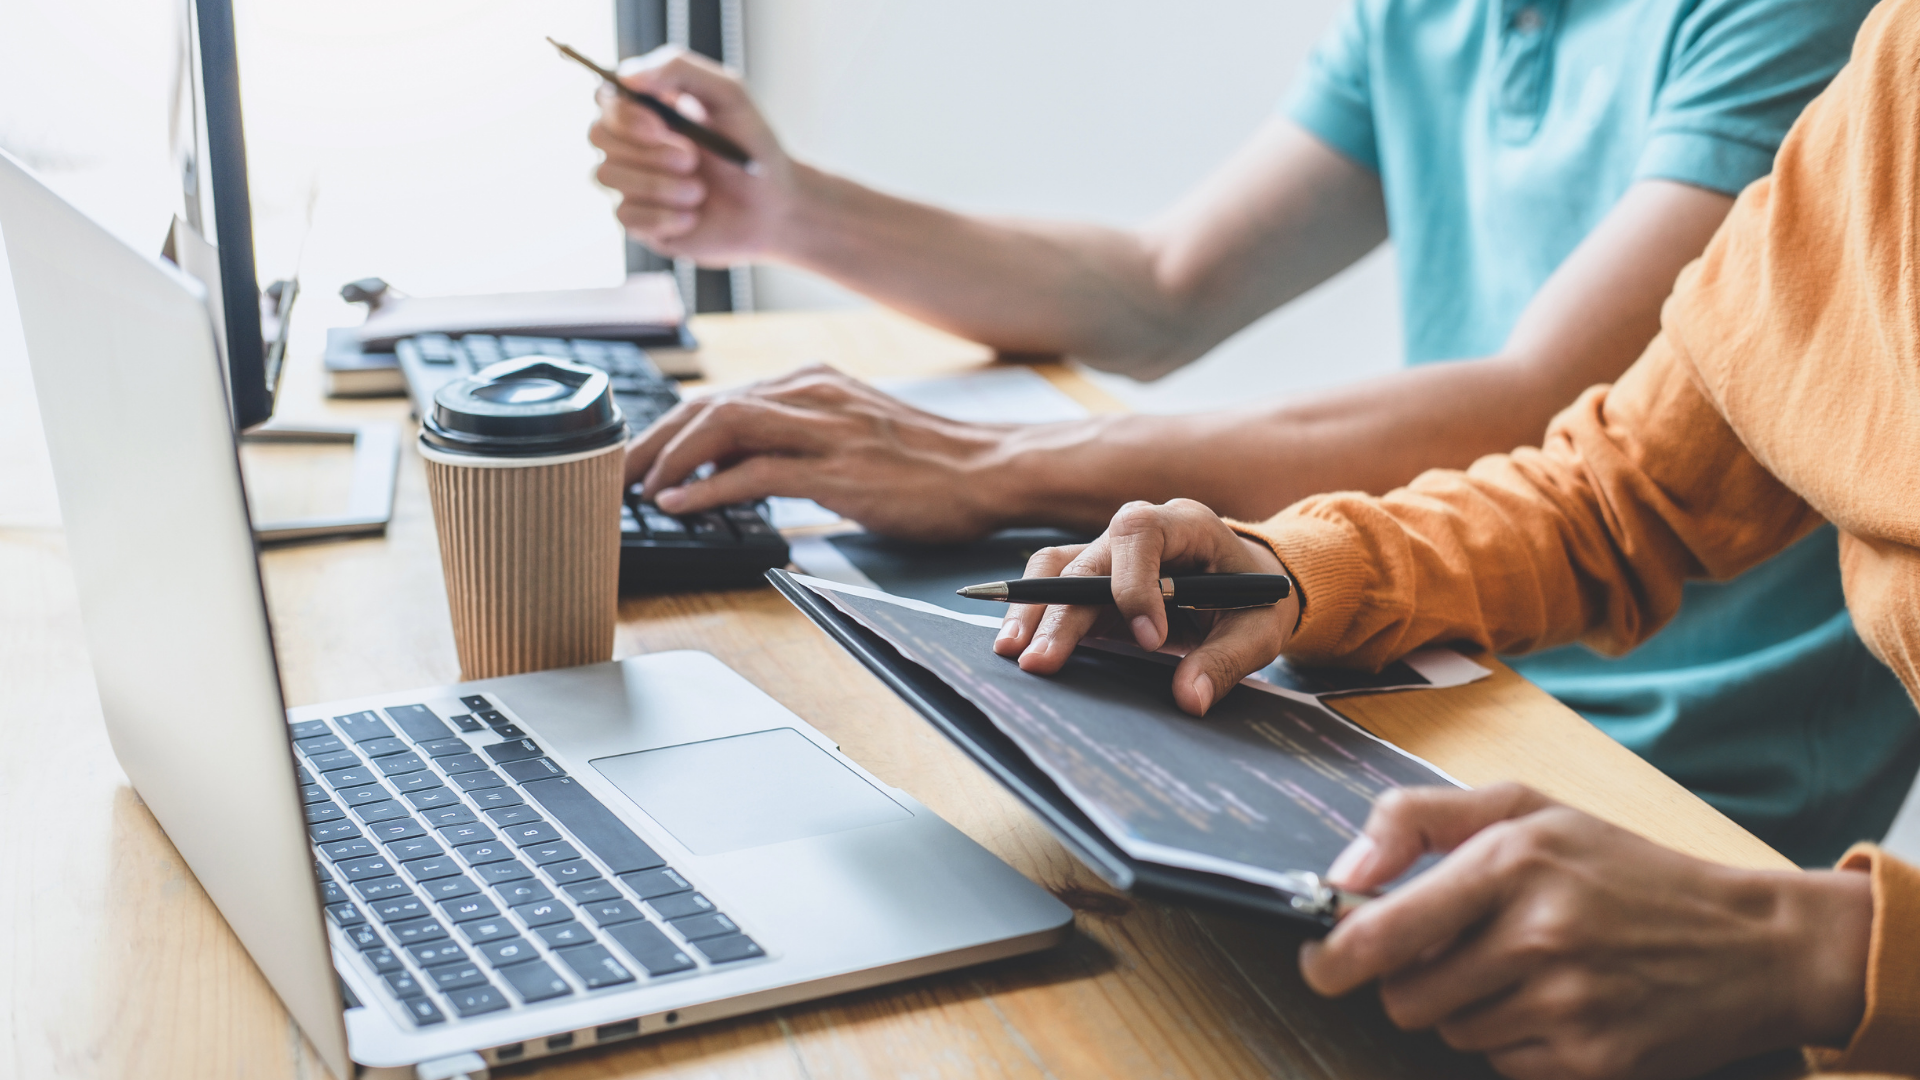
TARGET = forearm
(1279,217)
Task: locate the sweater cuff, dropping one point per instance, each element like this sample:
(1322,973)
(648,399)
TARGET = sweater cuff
(1888,1038)
(1326,566)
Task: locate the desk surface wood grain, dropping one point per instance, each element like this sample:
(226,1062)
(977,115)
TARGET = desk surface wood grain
(114,964)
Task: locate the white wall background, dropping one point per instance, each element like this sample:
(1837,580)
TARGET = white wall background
(1100,110)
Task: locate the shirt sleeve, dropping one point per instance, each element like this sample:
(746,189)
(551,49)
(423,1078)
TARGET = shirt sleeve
(1331,98)
(1738,74)
(1885,1040)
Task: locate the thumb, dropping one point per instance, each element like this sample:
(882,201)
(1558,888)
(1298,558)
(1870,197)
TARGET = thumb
(1407,823)
(1239,644)
(670,71)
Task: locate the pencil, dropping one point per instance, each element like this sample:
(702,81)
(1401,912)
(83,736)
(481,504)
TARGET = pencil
(701,135)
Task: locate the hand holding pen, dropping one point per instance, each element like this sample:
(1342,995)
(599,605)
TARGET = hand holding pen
(1143,544)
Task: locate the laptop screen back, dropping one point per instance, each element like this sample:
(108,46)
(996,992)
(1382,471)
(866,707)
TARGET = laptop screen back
(130,394)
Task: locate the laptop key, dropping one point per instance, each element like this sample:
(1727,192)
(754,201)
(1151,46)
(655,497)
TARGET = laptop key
(381,888)
(681,905)
(312,793)
(535,981)
(323,811)
(357,776)
(514,750)
(595,966)
(398,829)
(404,985)
(337,759)
(415,931)
(466,833)
(493,717)
(414,847)
(423,1012)
(495,797)
(428,800)
(561,935)
(357,796)
(561,873)
(481,931)
(331,892)
(496,873)
(475,1000)
(345,914)
(532,769)
(507,951)
(441,748)
(584,892)
(324,744)
(321,832)
(486,851)
(364,937)
(308,729)
(463,760)
(514,893)
(372,866)
(383,960)
(594,825)
(513,815)
(348,849)
(550,852)
(650,948)
(448,888)
(362,727)
(476,781)
(304,777)
(704,926)
(441,816)
(609,912)
(386,810)
(395,764)
(461,909)
(449,977)
(543,912)
(374,748)
(399,908)
(728,948)
(476,702)
(427,869)
(509,731)
(415,781)
(467,723)
(651,883)
(537,832)
(429,953)
(419,722)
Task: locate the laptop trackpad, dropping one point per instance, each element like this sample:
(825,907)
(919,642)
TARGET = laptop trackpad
(748,790)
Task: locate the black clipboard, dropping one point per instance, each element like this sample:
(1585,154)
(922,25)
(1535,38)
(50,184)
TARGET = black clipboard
(975,734)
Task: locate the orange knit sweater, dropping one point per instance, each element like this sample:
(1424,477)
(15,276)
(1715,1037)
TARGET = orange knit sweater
(1783,390)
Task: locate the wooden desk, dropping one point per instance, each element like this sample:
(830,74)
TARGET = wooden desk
(113,963)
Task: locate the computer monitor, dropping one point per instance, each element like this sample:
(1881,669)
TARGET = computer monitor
(253,361)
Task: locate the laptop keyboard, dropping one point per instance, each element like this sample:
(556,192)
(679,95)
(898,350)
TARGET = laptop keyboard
(726,547)
(470,874)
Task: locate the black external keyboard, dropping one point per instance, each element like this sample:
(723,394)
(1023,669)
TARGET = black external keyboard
(468,873)
(717,549)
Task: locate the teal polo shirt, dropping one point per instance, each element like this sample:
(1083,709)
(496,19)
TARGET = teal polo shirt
(1503,131)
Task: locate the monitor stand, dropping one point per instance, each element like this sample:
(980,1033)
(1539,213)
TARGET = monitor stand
(376,465)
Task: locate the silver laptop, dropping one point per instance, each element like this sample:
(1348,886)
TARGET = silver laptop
(506,869)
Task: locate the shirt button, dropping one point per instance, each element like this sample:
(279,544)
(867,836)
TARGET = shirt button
(1527,19)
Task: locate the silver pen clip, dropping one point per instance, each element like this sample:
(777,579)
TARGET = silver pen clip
(1310,894)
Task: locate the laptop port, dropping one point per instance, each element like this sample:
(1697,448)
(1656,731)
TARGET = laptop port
(508,1053)
(560,1042)
(616,1031)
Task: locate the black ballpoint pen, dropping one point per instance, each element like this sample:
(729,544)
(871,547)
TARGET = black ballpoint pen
(701,134)
(1203,592)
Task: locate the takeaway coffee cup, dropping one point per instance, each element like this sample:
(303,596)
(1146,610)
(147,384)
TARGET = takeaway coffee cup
(524,467)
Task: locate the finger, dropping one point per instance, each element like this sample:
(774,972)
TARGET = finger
(732,427)
(1240,643)
(1464,981)
(1410,822)
(634,136)
(1497,1018)
(1397,930)
(647,187)
(1137,537)
(1063,625)
(670,72)
(646,446)
(754,478)
(1016,630)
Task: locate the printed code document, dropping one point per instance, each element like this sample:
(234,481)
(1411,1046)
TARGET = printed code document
(1268,784)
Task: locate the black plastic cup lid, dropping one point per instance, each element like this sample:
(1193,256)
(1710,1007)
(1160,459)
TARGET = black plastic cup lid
(530,406)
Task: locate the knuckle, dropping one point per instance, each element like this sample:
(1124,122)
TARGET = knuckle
(1399,1007)
(1135,517)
